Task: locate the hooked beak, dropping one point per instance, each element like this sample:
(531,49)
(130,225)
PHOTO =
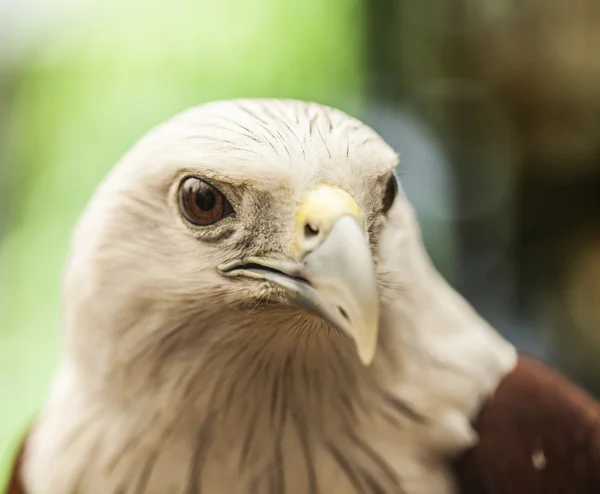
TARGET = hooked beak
(334,276)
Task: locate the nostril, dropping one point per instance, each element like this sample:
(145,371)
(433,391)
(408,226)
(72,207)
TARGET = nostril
(343,313)
(310,231)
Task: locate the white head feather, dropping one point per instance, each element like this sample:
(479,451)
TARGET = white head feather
(176,378)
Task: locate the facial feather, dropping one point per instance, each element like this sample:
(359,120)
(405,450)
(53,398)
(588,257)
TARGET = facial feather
(178,379)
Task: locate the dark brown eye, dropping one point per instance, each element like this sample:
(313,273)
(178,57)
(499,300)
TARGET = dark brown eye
(391,191)
(201,203)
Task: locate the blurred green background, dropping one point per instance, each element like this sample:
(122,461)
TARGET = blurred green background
(79,88)
(493,105)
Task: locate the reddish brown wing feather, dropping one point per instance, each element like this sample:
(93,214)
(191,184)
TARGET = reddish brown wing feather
(539,434)
(15,485)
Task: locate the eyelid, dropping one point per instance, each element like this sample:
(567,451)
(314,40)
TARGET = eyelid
(231,191)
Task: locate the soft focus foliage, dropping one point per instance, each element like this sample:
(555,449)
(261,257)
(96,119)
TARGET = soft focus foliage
(100,77)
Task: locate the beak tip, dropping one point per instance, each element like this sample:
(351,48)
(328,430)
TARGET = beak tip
(366,354)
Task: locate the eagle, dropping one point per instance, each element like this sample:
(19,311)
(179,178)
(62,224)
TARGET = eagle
(248,308)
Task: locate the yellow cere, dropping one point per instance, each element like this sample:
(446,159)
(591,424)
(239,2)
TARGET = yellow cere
(321,207)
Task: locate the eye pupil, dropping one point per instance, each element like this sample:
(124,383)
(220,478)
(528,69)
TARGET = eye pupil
(201,203)
(206,200)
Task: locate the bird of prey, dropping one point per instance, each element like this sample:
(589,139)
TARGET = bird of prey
(248,309)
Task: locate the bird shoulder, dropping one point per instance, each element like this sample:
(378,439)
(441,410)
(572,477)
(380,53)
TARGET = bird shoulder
(539,433)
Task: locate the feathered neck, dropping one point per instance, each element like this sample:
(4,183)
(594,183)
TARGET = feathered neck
(284,418)
(281,404)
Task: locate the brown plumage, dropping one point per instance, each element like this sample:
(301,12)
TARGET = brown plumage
(15,485)
(538,434)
